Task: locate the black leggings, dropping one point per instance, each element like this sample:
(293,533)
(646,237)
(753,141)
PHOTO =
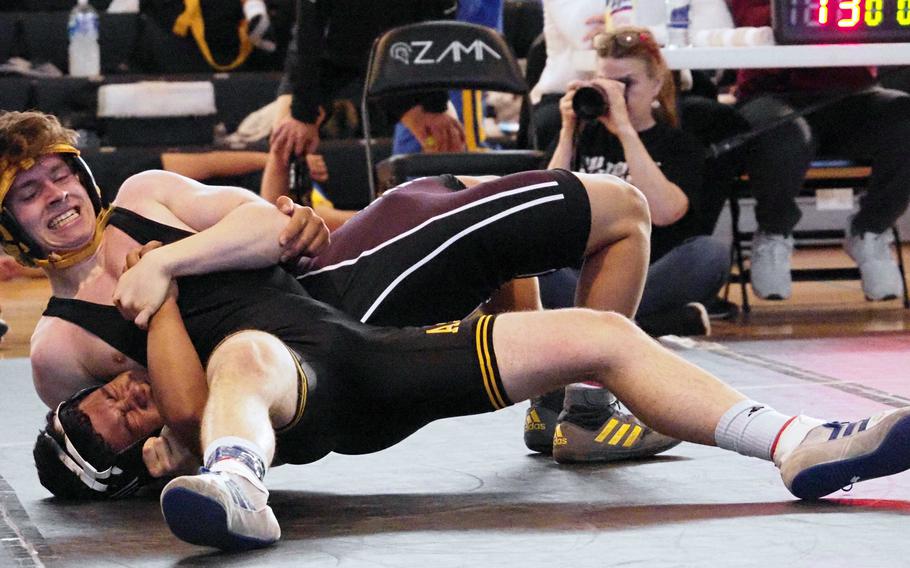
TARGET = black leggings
(873,125)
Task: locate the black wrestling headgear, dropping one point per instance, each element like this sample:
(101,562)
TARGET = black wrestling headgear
(74,462)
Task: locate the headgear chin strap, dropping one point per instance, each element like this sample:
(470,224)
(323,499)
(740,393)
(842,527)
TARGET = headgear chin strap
(16,241)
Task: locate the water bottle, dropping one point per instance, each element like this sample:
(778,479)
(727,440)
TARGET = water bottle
(678,23)
(84,53)
(618,14)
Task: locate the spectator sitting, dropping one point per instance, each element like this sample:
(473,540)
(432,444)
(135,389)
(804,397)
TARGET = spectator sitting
(863,122)
(636,138)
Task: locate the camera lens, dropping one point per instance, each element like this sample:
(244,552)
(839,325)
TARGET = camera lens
(589,103)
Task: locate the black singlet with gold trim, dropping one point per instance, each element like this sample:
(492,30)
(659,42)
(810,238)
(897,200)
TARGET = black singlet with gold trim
(368,388)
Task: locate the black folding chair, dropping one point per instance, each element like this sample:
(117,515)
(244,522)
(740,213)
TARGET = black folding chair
(439,55)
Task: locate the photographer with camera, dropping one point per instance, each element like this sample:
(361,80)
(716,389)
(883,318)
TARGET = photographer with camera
(623,122)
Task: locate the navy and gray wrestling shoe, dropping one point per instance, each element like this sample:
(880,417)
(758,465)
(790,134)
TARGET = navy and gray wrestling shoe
(213,509)
(838,454)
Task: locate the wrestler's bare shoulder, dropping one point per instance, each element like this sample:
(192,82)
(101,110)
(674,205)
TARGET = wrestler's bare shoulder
(158,195)
(65,359)
(141,190)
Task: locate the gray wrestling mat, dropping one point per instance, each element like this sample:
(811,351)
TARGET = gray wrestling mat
(465,492)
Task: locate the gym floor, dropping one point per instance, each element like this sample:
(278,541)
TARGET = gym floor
(466,492)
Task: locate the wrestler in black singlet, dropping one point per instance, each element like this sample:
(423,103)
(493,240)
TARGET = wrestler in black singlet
(363,389)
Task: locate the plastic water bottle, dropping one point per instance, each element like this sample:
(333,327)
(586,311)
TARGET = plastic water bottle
(678,23)
(84,53)
(619,13)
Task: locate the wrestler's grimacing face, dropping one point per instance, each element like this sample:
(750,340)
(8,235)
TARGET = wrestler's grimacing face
(123,411)
(50,204)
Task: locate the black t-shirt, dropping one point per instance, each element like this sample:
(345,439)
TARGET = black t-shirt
(334,38)
(679,156)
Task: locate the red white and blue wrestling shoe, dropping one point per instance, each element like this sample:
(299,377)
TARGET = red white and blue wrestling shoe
(838,454)
(213,509)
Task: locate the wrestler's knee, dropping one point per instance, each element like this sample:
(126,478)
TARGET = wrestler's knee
(614,325)
(615,202)
(603,332)
(247,354)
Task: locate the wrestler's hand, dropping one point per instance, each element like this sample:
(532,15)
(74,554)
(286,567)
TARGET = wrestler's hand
(142,288)
(305,234)
(165,456)
(132,259)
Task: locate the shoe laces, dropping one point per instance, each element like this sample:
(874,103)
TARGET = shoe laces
(874,246)
(588,416)
(776,247)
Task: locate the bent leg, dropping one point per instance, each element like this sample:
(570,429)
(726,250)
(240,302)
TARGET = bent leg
(252,385)
(616,257)
(431,250)
(252,389)
(537,351)
(776,162)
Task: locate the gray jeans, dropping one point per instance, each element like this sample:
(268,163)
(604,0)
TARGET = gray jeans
(694,271)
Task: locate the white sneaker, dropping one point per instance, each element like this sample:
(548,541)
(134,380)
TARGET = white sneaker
(877,267)
(770,265)
(214,509)
(839,454)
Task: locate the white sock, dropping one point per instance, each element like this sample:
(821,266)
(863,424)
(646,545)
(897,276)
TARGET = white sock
(242,458)
(793,433)
(750,428)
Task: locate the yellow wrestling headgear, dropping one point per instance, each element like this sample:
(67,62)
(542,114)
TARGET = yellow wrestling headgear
(17,243)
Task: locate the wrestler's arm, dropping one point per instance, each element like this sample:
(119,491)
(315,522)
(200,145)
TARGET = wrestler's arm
(236,230)
(178,385)
(176,374)
(175,370)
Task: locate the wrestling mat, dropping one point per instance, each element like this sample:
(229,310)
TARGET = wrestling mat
(466,492)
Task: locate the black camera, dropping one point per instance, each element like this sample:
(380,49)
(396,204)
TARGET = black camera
(589,102)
